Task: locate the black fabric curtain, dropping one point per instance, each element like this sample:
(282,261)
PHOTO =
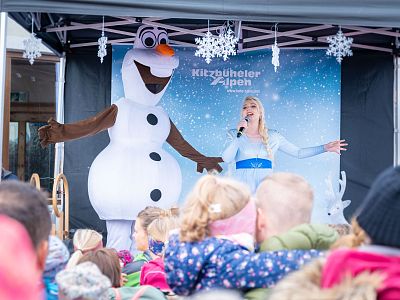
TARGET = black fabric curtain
(366,122)
(87,92)
(349,12)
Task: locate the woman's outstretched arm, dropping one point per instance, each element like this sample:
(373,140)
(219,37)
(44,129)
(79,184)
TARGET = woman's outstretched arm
(295,151)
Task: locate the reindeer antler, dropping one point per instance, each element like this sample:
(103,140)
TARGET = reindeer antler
(329,191)
(342,183)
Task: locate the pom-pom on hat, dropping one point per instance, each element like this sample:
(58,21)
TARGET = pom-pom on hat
(379,214)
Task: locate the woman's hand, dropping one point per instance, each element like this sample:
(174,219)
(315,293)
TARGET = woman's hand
(242,123)
(124,279)
(336,146)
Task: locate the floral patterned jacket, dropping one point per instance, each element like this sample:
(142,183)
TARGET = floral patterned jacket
(222,263)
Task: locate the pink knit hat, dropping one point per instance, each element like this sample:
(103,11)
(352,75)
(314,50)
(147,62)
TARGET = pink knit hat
(20,277)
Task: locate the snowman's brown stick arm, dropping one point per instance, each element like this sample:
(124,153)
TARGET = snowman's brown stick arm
(176,140)
(56,132)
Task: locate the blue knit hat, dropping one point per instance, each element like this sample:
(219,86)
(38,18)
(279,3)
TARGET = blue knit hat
(83,281)
(379,214)
(57,257)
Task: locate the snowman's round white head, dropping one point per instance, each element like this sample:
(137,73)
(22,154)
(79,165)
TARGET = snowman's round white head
(148,67)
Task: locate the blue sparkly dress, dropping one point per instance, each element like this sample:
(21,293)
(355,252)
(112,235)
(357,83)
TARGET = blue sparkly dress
(248,157)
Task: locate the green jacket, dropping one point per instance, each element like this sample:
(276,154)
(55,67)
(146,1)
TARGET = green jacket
(304,237)
(133,269)
(145,292)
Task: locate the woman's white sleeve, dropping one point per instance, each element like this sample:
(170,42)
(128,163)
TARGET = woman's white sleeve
(231,150)
(293,150)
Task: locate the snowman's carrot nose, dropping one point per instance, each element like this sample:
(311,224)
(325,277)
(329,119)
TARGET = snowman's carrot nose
(164,49)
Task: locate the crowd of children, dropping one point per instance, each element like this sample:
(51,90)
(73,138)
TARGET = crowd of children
(223,243)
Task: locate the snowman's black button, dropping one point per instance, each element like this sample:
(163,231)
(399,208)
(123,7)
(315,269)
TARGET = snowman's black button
(152,119)
(155,195)
(155,156)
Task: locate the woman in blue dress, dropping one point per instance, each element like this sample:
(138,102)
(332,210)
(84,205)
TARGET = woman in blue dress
(253,153)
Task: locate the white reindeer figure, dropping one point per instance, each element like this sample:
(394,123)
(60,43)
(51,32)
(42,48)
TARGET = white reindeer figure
(335,204)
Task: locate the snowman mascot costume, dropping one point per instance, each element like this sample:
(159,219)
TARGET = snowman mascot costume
(133,171)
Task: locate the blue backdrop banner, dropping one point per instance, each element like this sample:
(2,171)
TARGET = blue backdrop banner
(301,100)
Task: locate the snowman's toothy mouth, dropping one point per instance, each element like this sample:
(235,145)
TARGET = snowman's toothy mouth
(153,83)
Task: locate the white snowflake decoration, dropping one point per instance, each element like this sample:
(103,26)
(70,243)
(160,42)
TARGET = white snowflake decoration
(227,43)
(207,47)
(32,48)
(102,47)
(275,55)
(339,46)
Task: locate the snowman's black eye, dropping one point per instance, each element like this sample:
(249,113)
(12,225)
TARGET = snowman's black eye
(149,42)
(163,38)
(149,39)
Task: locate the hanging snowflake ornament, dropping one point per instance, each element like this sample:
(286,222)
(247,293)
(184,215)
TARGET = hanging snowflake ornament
(207,47)
(275,55)
(227,43)
(339,46)
(102,42)
(32,48)
(275,51)
(102,52)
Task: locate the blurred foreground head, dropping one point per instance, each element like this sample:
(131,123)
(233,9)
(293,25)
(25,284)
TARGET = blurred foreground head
(27,205)
(379,214)
(19,273)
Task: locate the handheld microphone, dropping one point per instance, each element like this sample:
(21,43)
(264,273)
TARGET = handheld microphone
(241,129)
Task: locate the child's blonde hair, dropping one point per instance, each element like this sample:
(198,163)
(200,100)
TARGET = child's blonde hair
(212,198)
(148,215)
(341,229)
(166,221)
(286,200)
(84,240)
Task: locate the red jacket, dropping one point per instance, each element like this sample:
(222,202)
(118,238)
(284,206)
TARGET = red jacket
(153,273)
(342,262)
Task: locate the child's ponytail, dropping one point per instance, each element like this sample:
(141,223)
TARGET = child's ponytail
(84,240)
(355,239)
(213,198)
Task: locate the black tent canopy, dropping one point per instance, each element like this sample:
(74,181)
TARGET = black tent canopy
(351,12)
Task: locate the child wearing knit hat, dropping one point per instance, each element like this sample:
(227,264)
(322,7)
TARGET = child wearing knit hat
(56,261)
(83,281)
(108,263)
(370,270)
